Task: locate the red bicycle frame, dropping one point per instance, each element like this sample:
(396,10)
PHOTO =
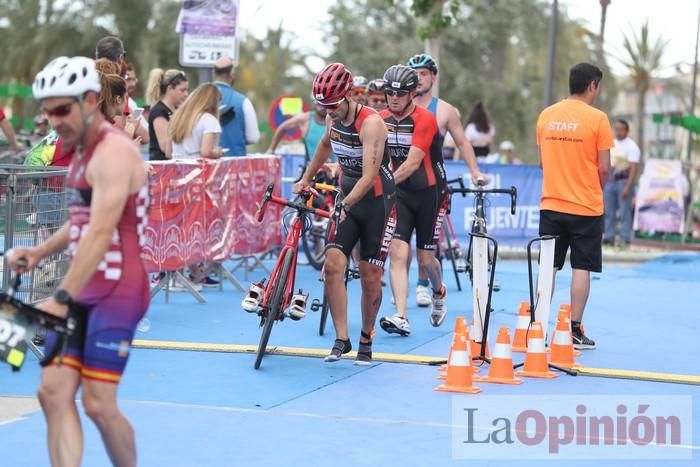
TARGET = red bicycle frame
(291,243)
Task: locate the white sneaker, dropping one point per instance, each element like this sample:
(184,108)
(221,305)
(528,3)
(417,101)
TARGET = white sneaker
(176,286)
(251,302)
(423,297)
(395,325)
(439,311)
(297,310)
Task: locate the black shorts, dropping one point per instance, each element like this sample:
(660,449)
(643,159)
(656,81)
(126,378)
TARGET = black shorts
(423,211)
(372,221)
(584,234)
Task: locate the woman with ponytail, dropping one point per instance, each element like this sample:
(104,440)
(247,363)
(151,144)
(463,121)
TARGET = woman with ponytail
(165,92)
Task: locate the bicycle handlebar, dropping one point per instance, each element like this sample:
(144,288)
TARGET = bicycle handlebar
(325,187)
(260,214)
(480,192)
(299,206)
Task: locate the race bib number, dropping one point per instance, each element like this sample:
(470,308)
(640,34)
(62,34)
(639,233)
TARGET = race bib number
(13,333)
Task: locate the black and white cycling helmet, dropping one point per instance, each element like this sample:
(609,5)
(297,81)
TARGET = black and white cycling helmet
(401,78)
(66,76)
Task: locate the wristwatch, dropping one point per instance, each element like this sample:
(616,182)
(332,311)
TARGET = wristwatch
(63,297)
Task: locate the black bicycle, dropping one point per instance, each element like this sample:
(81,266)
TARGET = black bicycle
(20,321)
(479,223)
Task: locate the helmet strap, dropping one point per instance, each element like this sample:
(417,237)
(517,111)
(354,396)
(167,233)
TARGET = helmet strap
(87,121)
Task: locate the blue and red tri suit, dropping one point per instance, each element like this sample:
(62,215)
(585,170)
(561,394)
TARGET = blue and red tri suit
(117,296)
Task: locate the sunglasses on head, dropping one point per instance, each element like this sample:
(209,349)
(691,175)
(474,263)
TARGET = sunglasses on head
(60,110)
(180,74)
(392,92)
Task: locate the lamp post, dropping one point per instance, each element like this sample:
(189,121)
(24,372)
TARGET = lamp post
(548,86)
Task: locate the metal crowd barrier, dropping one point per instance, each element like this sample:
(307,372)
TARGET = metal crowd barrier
(32,207)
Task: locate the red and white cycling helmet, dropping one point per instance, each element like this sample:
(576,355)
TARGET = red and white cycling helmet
(332,84)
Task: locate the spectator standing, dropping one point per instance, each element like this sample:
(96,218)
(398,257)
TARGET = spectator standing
(166,91)
(619,191)
(237,115)
(479,131)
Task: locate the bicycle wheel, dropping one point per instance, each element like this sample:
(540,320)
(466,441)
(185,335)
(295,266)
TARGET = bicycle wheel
(452,253)
(313,244)
(274,308)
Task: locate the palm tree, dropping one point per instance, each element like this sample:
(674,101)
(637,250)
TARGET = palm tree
(644,59)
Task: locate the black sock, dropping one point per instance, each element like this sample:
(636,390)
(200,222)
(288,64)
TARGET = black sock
(364,352)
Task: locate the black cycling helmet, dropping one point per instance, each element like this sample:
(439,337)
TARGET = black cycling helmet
(401,78)
(377,86)
(423,61)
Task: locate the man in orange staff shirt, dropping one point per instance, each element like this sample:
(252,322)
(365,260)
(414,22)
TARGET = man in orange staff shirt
(574,141)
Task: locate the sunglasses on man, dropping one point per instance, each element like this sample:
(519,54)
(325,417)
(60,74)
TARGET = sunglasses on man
(393,92)
(60,110)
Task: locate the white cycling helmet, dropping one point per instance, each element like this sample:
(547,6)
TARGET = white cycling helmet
(66,76)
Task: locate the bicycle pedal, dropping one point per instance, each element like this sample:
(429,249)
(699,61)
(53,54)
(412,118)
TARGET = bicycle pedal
(316,304)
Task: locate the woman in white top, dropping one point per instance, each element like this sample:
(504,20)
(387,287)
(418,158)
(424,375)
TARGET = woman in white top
(194,128)
(194,131)
(479,131)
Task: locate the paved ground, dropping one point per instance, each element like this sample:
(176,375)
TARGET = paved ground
(205,408)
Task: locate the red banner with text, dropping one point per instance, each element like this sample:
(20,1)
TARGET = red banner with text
(204,210)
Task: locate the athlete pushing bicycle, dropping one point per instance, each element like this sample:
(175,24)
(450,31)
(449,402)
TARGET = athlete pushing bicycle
(357,135)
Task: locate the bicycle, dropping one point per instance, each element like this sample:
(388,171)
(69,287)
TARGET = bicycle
(351,272)
(479,223)
(317,236)
(20,321)
(277,295)
(481,260)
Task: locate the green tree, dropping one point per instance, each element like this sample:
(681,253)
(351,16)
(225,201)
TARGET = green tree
(643,61)
(494,51)
(268,68)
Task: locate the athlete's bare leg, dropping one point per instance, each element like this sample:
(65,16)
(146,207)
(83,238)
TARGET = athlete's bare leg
(57,391)
(100,402)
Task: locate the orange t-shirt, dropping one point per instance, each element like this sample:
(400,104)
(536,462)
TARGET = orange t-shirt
(570,133)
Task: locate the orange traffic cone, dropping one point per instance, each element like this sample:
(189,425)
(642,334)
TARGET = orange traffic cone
(536,356)
(520,337)
(501,370)
(459,372)
(562,346)
(460,328)
(567,314)
(567,307)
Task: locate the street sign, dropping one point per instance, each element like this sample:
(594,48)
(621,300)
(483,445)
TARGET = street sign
(203,51)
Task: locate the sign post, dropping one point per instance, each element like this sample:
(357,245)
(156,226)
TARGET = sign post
(208,31)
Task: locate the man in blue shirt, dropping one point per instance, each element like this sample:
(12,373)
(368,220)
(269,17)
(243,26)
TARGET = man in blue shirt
(238,120)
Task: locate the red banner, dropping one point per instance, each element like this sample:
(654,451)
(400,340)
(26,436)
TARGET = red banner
(204,210)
